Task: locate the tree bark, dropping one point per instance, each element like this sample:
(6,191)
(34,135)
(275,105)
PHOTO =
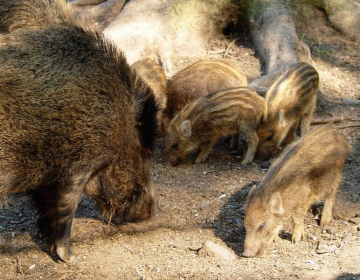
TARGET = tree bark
(97,13)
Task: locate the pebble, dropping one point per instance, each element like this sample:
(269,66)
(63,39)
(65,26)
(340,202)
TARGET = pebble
(218,251)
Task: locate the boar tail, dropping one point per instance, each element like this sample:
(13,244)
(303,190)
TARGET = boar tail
(146,114)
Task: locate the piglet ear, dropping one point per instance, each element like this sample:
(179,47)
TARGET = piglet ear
(185,128)
(251,192)
(282,121)
(249,196)
(275,204)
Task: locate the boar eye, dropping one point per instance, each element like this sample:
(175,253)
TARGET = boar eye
(283,142)
(270,137)
(261,227)
(175,146)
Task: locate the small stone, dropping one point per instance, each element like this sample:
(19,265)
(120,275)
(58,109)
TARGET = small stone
(205,206)
(323,248)
(218,251)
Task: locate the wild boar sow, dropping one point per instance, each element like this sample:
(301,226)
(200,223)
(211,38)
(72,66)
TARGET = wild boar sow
(200,79)
(74,119)
(308,170)
(222,113)
(291,101)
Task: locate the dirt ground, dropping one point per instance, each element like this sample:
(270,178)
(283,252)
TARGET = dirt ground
(202,203)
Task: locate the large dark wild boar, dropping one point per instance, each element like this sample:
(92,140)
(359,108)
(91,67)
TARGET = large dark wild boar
(291,101)
(200,79)
(153,75)
(74,118)
(221,113)
(308,170)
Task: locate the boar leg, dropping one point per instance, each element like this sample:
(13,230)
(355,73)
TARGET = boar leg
(205,148)
(332,182)
(326,216)
(57,205)
(252,139)
(291,135)
(234,142)
(307,117)
(298,229)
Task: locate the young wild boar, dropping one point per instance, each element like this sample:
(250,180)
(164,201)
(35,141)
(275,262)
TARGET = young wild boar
(221,113)
(291,101)
(200,79)
(308,170)
(153,75)
(74,118)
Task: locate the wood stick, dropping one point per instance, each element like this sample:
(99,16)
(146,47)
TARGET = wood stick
(327,120)
(348,125)
(332,120)
(216,52)
(229,46)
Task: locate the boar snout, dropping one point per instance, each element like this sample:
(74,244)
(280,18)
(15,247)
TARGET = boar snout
(146,208)
(174,160)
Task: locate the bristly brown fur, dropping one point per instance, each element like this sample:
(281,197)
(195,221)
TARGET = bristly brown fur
(74,119)
(200,79)
(291,101)
(308,170)
(222,113)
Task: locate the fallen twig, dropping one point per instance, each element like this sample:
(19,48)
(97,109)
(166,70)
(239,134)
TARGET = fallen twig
(216,52)
(19,266)
(332,120)
(348,125)
(354,189)
(229,46)
(81,230)
(327,120)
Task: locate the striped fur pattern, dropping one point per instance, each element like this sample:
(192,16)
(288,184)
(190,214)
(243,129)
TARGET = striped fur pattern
(200,79)
(222,113)
(291,101)
(308,170)
(153,75)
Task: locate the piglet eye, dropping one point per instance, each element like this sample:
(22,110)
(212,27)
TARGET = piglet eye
(261,227)
(270,137)
(175,146)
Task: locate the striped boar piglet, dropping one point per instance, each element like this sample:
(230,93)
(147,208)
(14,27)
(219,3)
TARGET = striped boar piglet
(200,79)
(291,101)
(308,170)
(222,113)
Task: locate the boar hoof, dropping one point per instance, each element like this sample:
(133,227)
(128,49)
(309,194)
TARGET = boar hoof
(248,253)
(325,220)
(199,160)
(296,239)
(66,256)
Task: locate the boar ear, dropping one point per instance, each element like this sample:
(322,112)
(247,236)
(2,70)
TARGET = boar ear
(249,196)
(185,128)
(251,192)
(282,121)
(275,204)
